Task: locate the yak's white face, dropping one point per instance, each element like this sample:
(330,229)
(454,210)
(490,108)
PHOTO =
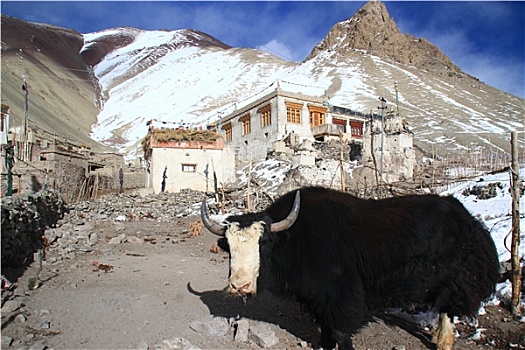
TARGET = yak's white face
(244,257)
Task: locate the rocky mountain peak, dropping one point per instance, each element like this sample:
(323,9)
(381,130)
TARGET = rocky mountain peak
(371,29)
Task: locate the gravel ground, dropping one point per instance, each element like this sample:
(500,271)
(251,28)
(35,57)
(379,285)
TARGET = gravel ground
(160,286)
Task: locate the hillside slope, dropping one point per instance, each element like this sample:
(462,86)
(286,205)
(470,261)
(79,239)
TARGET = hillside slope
(63,95)
(187,77)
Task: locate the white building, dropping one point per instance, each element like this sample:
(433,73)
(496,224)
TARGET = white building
(252,130)
(192,162)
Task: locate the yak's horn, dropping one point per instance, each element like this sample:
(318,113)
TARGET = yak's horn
(290,219)
(210,224)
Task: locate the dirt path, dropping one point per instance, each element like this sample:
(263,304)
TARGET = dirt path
(138,294)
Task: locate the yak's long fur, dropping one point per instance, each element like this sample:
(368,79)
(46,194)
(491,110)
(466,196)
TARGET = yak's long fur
(344,256)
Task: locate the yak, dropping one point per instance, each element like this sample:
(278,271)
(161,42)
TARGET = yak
(342,256)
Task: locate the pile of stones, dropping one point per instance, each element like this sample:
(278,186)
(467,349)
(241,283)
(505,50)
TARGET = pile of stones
(24,221)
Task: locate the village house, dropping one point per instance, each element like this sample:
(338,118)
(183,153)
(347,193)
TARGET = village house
(381,142)
(187,159)
(42,159)
(259,127)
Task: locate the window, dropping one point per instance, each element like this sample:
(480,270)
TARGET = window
(339,121)
(293,112)
(317,115)
(246,124)
(266,115)
(228,131)
(189,168)
(357,128)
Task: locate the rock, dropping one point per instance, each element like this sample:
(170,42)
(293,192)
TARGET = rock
(20,318)
(117,240)
(11,306)
(120,218)
(38,346)
(44,312)
(241,331)
(262,335)
(134,240)
(6,341)
(177,344)
(216,326)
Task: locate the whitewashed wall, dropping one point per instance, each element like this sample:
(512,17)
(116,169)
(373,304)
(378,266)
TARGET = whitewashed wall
(219,160)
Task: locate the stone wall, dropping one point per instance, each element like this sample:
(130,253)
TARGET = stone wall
(24,221)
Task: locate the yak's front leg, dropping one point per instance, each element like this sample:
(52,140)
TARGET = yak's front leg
(444,334)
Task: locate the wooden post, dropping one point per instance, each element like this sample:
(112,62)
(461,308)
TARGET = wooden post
(514,250)
(19,185)
(248,204)
(341,162)
(96,186)
(222,200)
(433,170)
(81,190)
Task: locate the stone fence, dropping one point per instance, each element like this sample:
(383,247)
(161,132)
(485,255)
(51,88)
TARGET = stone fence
(24,221)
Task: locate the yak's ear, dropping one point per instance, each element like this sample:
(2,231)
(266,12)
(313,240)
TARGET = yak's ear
(223,244)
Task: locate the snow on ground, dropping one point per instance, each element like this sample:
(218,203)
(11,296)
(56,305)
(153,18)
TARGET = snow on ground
(495,213)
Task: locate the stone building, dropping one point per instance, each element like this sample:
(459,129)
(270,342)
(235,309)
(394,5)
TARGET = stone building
(184,159)
(253,130)
(42,160)
(388,147)
(382,143)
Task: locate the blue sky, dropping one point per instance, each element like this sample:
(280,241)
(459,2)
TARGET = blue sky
(484,38)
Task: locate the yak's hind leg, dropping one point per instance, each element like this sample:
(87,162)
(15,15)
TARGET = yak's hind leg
(444,334)
(344,340)
(327,342)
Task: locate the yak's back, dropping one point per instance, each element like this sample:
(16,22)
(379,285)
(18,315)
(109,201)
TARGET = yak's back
(412,251)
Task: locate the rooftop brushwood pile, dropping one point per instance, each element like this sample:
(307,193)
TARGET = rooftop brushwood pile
(179,135)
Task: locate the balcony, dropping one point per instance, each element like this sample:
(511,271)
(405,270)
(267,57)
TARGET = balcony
(324,130)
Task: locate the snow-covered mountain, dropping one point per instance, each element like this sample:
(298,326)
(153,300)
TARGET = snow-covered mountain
(188,77)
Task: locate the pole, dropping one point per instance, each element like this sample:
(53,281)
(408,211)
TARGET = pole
(397,99)
(26,89)
(341,162)
(9,164)
(382,108)
(248,204)
(514,248)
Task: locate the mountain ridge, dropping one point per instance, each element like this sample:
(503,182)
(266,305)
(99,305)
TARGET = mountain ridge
(372,29)
(448,110)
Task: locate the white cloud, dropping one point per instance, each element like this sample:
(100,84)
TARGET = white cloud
(502,72)
(499,72)
(278,49)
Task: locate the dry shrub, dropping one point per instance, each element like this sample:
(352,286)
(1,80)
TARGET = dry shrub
(179,135)
(195,229)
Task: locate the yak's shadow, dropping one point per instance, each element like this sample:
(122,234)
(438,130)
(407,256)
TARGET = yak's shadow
(288,314)
(412,329)
(285,313)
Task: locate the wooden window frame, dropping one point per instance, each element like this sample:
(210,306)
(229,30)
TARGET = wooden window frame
(266,115)
(317,115)
(356,128)
(246,121)
(340,121)
(294,112)
(188,168)
(228,131)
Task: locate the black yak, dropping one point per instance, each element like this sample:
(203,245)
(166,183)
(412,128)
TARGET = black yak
(342,256)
